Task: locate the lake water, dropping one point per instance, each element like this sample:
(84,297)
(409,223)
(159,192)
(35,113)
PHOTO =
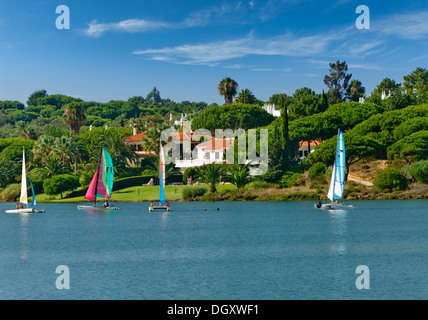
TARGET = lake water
(244,250)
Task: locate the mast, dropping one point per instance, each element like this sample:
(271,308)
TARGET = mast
(96,181)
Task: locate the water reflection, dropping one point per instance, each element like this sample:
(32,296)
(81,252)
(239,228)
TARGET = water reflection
(337,219)
(24,223)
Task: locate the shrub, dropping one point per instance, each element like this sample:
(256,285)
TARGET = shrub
(390,179)
(11,192)
(60,183)
(191,192)
(259,184)
(317,172)
(289,179)
(419,171)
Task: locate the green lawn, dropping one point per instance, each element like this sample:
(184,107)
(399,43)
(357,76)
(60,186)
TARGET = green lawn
(137,193)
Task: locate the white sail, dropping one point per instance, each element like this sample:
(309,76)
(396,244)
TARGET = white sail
(337,181)
(23,198)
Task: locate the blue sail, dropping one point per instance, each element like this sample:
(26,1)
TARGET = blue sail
(33,203)
(337,182)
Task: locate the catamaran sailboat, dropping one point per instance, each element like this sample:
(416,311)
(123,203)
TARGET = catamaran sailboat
(163,205)
(101,185)
(337,182)
(23,199)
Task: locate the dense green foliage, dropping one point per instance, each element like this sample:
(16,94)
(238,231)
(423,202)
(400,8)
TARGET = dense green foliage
(419,171)
(63,135)
(232,116)
(317,172)
(391,180)
(60,183)
(191,192)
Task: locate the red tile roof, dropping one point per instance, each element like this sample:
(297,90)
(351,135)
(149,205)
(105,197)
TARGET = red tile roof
(216,144)
(136,138)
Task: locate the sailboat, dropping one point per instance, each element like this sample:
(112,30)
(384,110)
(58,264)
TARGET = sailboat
(101,185)
(163,205)
(337,182)
(23,199)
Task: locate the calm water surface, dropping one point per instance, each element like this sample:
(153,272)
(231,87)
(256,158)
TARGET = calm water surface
(245,250)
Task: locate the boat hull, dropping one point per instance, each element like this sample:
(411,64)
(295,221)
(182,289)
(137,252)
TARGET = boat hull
(163,208)
(333,206)
(26,210)
(98,209)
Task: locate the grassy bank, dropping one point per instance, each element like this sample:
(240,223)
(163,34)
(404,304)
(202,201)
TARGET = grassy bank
(228,192)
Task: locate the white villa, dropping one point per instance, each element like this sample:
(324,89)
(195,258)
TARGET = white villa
(270,108)
(211,151)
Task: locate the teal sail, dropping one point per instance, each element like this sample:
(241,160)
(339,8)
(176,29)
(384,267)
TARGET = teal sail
(337,182)
(33,202)
(105,176)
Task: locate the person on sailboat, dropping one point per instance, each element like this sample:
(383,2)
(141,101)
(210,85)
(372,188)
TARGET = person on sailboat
(106,204)
(167,204)
(21,206)
(17,206)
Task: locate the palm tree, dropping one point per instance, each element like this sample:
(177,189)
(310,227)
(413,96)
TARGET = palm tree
(120,152)
(227,88)
(210,174)
(43,148)
(356,90)
(151,142)
(239,175)
(246,96)
(67,150)
(28,133)
(74,115)
(52,166)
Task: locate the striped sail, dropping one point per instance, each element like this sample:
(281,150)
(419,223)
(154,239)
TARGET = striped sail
(337,181)
(102,183)
(161,177)
(23,198)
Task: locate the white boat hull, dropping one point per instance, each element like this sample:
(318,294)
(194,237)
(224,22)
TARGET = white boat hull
(333,206)
(163,208)
(26,210)
(98,209)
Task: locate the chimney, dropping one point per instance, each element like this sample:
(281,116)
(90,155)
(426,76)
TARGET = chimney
(135,129)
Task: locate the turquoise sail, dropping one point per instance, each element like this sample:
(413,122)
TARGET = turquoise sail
(337,182)
(33,202)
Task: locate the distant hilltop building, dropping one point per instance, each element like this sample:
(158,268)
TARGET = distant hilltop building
(384,95)
(270,108)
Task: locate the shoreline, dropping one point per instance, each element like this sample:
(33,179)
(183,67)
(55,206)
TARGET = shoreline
(396,195)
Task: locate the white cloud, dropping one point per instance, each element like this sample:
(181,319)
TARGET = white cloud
(96,29)
(413,26)
(214,52)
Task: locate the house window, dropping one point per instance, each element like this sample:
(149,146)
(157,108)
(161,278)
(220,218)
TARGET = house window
(217,156)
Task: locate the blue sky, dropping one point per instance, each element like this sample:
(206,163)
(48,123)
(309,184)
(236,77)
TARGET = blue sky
(119,49)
